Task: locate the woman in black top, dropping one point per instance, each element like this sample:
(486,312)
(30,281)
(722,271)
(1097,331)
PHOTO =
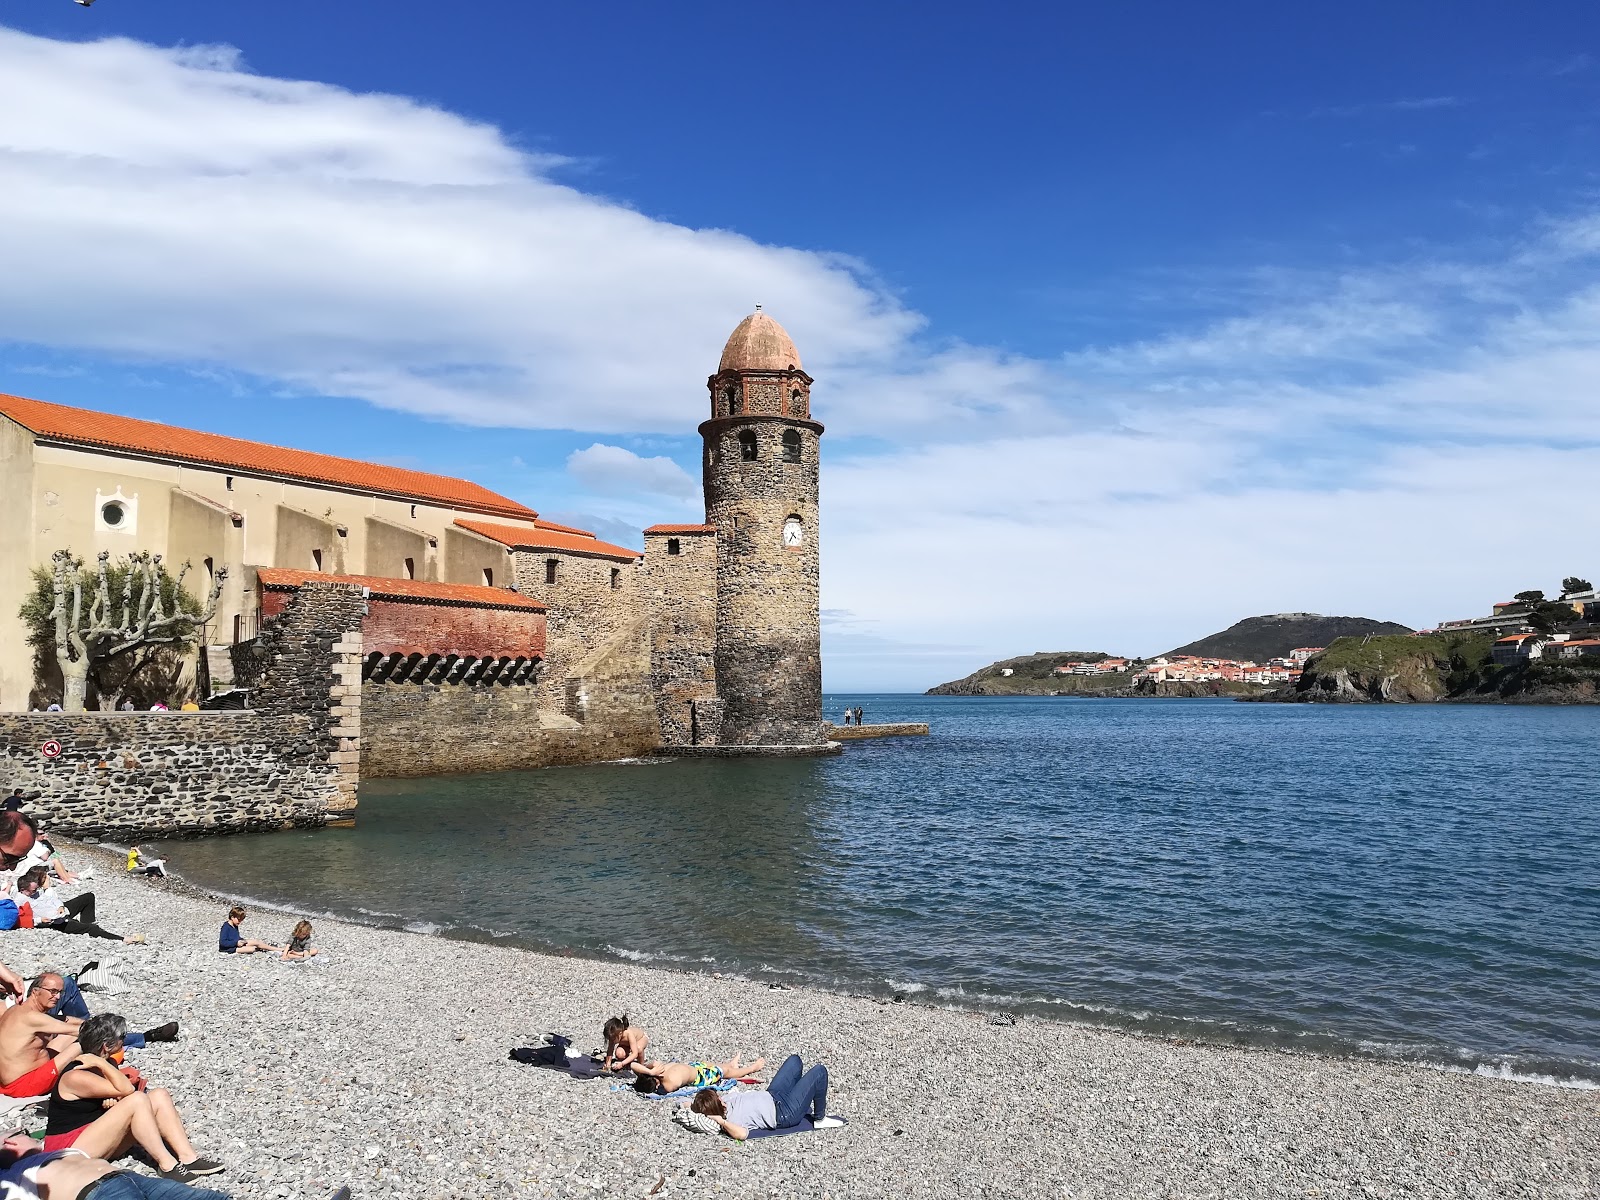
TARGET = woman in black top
(79,1117)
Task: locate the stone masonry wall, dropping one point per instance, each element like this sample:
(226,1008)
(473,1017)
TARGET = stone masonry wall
(291,760)
(441,728)
(134,775)
(768,653)
(312,653)
(591,599)
(680,600)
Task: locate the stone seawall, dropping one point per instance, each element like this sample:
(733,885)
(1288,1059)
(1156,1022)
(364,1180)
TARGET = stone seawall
(132,775)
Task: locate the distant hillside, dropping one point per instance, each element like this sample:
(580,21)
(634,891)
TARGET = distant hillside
(1274,635)
(1028,674)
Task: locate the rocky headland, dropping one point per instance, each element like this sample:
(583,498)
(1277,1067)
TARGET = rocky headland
(1436,667)
(386,1067)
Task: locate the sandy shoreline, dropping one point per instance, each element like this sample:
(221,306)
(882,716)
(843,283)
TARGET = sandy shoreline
(387,1069)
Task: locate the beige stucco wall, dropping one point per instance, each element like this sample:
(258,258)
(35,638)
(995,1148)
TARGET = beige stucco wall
(389,545)
(468,555)
(16,559)
(49,497)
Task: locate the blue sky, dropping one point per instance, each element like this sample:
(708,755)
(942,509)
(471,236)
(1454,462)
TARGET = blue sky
(1127,322)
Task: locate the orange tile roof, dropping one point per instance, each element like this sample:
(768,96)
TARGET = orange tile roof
(539,539)
(403,589)
(107,431)
(681,529)
(543,524)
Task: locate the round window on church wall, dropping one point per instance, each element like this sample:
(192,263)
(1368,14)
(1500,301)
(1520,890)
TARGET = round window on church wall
(111,513)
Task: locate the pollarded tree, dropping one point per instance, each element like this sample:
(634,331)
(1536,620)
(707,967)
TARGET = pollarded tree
(108,621)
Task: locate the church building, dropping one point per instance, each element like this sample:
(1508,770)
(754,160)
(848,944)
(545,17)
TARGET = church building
(545,642)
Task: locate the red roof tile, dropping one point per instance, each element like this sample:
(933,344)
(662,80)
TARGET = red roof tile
(681,529)
(403,589)
(84,427)
(518,538)
(543,524)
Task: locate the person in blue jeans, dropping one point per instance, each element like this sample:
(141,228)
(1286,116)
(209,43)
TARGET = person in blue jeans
(31,1173)
(72,1004)
(789,1099)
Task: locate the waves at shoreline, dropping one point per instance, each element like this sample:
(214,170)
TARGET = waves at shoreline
(1583,1076)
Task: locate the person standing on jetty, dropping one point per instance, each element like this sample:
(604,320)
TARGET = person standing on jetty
(229,941)
(32,1041)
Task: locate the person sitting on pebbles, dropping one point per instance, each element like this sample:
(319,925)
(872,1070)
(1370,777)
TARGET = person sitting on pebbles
(660,1078)
(102,1108)
(625,1044)
(33,1044)
(790,1098)
(230,942)
(300,948)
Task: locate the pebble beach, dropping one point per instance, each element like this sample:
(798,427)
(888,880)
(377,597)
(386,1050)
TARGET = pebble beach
(386,1068)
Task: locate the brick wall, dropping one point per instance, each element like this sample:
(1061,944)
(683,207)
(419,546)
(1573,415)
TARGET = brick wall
(680,599)
(409,627)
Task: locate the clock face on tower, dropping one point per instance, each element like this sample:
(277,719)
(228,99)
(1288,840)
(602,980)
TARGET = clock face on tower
(794,534)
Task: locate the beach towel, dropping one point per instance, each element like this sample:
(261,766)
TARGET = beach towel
(694,1122)
(806,1126)
(683,1093)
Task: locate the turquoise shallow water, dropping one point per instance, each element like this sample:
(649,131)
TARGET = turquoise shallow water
(1420,882)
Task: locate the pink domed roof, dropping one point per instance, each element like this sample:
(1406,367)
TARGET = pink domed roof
(759,344)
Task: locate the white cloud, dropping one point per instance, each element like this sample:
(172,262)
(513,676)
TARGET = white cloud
(618,471)
(170,206)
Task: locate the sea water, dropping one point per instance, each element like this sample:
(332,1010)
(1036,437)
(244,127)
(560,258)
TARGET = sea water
(1405,881)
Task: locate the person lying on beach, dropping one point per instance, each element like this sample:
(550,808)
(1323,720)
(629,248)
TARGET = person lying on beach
(105,1110)
(299,948)
(70,916)
(660,1078)
(229,941)
(29,1172)
(787,1100)
(32,1041)
(625,1044)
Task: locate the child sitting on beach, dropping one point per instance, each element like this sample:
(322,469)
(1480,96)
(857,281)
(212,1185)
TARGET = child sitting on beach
(154,867)
(624,1044)
(299,948)
(660,1078)
(230,942)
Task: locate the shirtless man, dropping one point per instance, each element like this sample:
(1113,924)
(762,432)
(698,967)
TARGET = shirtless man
(66,1174)
(662,1077)
(33,1044)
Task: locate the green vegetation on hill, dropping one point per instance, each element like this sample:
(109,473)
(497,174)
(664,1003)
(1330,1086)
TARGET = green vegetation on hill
(1257,639)
(1032,674)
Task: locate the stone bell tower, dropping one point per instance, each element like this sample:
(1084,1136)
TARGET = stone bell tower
(761,494)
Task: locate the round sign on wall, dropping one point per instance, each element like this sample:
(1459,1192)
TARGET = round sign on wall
(50,749)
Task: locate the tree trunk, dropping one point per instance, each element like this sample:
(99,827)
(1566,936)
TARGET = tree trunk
(74,684)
